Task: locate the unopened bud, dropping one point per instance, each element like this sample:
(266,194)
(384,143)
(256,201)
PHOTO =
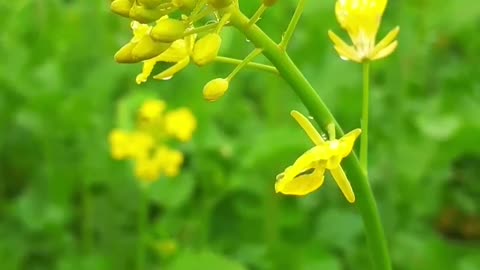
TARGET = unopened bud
(168,30)
(269,3)
(121,7)
(215,89)
(220,3)
(185,5)
(146,15)
(206,49)
(147,48)
(150,3)
(124,54)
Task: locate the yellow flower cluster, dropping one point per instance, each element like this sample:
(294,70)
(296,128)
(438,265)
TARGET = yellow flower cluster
(146,146)
(164,31)
(361,19)
(307,172)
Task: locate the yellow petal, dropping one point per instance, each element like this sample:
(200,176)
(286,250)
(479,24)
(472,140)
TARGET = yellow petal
(347,141)
(302,184)
(177,51)
(343,183)
(307,126)
(386,51)
(385,42)
(345,51)
(169,72)
(147,68)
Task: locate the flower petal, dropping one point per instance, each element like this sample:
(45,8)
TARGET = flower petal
(307,126)
(347,141)
(385,51)
(385,42)
(302,184)
(343,183)
(169,72)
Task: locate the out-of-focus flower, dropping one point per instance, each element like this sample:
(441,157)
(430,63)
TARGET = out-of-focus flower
(361,19)
(307,173)
(147,145)
(180,124)
(119,144)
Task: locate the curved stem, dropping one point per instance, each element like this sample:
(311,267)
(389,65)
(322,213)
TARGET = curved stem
(253,65)
(364,138)
(292,75)
(293,24)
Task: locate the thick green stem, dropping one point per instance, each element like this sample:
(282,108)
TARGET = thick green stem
(292,75)
(364,138)
(142,223)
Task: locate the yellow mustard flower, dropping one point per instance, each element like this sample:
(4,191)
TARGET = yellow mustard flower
(147,169)
(180,124)
(307,173)
(151,110)
(169,160)
(141,143)
(119,144)
(361,19)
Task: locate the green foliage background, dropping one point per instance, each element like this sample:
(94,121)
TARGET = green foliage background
(65,204)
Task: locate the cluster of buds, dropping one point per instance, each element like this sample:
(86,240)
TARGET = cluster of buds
(147,145)
(164,31)
(178,32)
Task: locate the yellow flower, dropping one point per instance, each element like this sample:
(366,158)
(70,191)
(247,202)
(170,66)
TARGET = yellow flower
(151,110)
(141,144)
(180,124)
(147,169)
(119,144)
(307,173)
(361,19)
(169,160)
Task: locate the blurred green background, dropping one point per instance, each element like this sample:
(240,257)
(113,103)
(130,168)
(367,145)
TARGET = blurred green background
(65,204)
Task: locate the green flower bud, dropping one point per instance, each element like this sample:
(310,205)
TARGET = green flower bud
(185,5)
(121,7)
(168,30)
(147,48)
(269,3)
(150,3)
(146,15)
(215,89)
(219,4)
(124,54)
(206,49)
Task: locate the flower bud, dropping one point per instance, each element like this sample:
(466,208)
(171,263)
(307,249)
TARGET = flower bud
(121,7)
(146,15)
(220,3)
(206,49)
(269,3)
(150,3)
(215,89)
(185,5)
(168,30)
(124,54)
(148,48)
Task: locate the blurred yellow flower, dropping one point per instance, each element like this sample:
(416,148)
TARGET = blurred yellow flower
(147,144)
(307,173)
(180,124)
(361,19)
(119,144)
(152,110)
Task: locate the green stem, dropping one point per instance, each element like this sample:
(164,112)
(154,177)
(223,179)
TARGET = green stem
(142,223)
(247,60)
(364,138)
(292,75)
(253,65)
(257,14)
(293,24)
